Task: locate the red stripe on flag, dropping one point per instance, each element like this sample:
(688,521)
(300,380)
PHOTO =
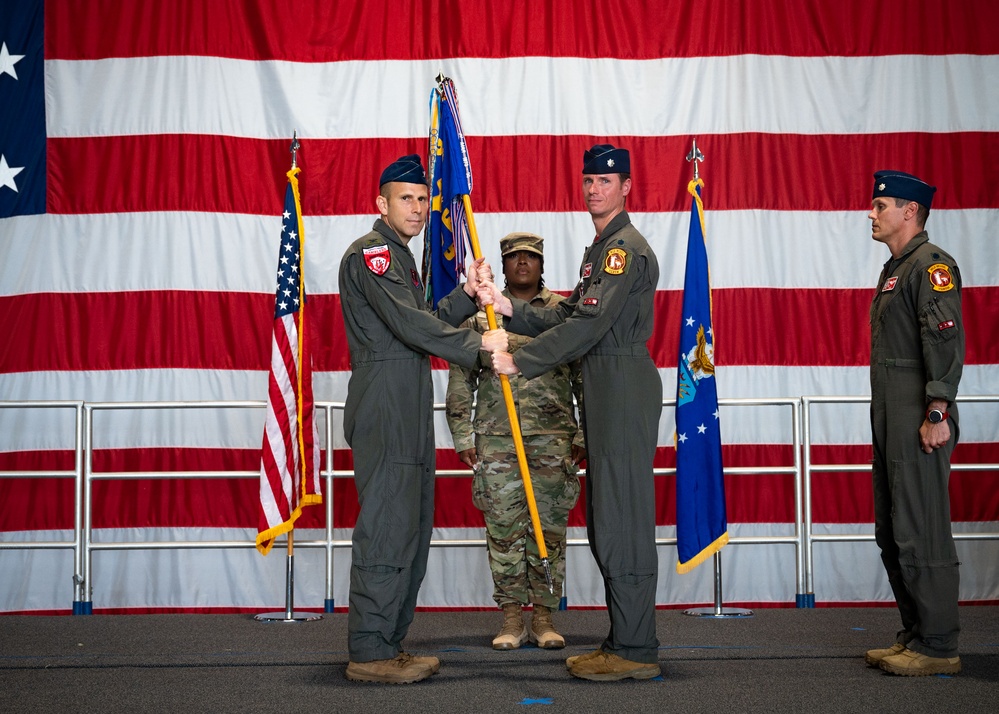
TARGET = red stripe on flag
(506,170)
(417,29)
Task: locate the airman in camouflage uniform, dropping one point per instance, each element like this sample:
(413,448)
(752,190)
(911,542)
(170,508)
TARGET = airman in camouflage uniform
(553,444)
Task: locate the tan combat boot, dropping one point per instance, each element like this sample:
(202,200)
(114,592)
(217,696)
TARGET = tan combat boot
(874,657)
(607,667)
(543,631)
(402,669)
(569,662)
(513,634)
(909,663)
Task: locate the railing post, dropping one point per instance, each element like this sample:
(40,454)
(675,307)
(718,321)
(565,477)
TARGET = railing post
(83,521)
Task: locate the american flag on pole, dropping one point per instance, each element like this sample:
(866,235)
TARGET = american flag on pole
(289,468)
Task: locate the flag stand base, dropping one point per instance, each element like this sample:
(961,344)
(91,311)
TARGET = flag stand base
(717,611)
(286,617)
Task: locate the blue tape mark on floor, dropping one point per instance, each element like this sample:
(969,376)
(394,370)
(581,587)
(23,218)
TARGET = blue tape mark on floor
(542,700)
(859,629)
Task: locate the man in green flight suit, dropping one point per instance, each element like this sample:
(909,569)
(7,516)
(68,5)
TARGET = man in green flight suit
(917,356)
(388,420)
(553,444)
(607,321)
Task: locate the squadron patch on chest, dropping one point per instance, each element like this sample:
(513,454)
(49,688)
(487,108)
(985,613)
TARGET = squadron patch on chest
(587,270)
(378,259)
(414,277)
(940,277)
(616,261)
(890,284)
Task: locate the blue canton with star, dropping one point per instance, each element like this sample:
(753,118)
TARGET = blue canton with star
(289,260)
(22,108)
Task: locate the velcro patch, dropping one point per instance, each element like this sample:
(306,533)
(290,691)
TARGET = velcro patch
(587,270)
(591,301)
(378,259)
(890,284)
(616,261)
(945,325)
(940,277)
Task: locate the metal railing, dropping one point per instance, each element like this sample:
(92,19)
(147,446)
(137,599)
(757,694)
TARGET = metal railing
(810,468)
(83,545)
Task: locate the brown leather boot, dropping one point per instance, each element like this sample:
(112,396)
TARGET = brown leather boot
(543,632)
(513,634)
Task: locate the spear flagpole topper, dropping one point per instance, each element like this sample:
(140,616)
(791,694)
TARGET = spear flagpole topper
(695,155)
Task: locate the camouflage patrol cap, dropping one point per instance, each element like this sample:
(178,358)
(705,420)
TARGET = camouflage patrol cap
(512,242)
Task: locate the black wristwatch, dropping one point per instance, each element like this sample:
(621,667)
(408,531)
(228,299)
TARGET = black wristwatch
(935,416)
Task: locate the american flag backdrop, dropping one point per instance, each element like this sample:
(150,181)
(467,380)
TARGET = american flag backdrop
(143,152)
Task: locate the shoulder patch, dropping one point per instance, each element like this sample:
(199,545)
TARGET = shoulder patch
(377,258)
(940,277)
(616,261)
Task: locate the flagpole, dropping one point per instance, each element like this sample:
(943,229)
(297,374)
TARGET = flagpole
(717,611)
(289,615)
(511,409)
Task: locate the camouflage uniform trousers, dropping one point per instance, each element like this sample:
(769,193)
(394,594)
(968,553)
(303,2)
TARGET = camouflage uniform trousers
(498,491)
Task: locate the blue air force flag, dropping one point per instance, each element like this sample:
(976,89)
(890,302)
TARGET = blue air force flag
(445,245)
(701,526)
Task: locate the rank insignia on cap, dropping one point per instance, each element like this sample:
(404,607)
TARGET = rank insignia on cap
(587,270)
(944,325)
(940,277)
(890,284)
(378,259)
(881,187)
(610,163)
(591,301)
(616,261)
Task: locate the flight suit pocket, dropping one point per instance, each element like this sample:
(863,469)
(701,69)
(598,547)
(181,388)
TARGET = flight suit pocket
(590,302)
(937,323)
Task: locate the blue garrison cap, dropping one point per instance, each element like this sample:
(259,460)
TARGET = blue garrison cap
(898,184)
(407,169)
(605,159)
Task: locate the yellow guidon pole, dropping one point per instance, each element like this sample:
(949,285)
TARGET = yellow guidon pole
(511,410)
